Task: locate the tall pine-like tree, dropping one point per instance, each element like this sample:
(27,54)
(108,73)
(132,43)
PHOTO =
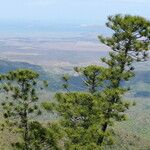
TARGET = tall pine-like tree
(129,43)
(20,105)
(85,116)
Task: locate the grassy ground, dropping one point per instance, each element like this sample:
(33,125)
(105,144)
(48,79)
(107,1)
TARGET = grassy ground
(134,134)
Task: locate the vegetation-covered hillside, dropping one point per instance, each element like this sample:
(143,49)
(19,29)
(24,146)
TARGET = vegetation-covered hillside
(92,109)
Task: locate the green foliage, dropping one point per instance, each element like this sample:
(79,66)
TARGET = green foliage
(81,119)
(48,106)
(90,76)
(44,138)
(65,80)
(130,33)
(129,43)
(87,116)
(20,105)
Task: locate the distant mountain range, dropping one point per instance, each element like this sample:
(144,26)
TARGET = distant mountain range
(140,84)
(6,66)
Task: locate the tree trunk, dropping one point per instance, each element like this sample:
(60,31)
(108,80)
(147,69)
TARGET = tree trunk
(25,136)
(101,138)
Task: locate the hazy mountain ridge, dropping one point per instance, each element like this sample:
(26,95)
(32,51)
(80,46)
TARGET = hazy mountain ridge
(140,83)
(140,113)
(6,66)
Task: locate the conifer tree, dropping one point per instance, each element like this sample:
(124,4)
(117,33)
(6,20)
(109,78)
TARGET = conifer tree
(20,104)
(90,76)
(80,119)
(80,113)
(45,137)
(129,43)
(85,116)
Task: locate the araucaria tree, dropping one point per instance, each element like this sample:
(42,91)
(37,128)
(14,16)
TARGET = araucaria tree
(129,43)
(86,116)
(20,104)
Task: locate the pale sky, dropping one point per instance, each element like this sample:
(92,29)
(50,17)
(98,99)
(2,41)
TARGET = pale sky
(70,11)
